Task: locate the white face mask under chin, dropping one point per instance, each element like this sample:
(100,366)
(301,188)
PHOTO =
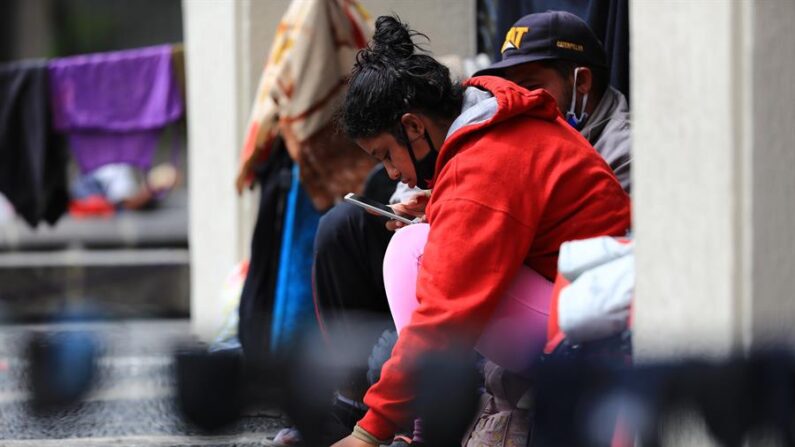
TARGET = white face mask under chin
(571,117)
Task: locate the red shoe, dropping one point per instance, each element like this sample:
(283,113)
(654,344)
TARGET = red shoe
(91,206)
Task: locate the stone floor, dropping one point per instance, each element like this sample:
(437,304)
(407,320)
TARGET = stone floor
(132,402)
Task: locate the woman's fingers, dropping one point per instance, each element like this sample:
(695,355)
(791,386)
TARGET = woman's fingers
(393,225)
(405,210)
(413,207)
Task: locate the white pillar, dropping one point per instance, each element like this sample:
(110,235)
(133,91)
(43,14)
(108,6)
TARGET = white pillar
(713,114)
(713,184)
(218,97)
(689,123)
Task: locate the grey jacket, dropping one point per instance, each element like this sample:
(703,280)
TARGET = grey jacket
(608,130)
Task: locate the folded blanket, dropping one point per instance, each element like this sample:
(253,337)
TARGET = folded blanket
(303,82)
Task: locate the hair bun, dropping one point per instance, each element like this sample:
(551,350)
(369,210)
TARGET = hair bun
(393,37)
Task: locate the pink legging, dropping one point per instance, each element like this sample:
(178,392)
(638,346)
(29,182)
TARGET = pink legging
(514,336)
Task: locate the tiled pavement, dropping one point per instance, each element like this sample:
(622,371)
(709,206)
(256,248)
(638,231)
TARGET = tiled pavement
(132,403)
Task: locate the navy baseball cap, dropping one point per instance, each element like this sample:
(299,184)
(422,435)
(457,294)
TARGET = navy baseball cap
(546,36)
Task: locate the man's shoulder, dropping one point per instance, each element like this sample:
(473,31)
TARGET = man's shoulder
(619,115)
(615,138)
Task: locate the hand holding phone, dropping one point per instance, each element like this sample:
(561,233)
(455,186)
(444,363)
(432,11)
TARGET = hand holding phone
(376,207)
(414,206)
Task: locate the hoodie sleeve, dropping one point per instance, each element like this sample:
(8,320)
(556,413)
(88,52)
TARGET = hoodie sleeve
(473,253)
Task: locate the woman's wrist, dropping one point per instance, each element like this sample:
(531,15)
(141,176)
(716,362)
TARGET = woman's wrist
(362,435)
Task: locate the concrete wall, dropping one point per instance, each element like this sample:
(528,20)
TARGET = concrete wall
(449,24)
(773,172)
(686,176)
(226,44)
(714,214)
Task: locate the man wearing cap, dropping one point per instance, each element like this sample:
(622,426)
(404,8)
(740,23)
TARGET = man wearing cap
(555,51)
(558,52)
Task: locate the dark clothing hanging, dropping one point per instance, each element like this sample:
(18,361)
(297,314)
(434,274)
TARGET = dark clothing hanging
(33,159)
(257,297)
(609,19)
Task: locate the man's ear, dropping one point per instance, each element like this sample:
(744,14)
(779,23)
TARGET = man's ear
(584,81)
(414,126)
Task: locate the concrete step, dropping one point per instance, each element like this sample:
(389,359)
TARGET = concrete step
(238,440)
(120,283)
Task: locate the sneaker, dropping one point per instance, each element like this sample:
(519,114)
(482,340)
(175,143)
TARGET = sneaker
(288,436)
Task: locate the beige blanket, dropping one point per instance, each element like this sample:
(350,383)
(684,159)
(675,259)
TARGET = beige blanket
(301,88)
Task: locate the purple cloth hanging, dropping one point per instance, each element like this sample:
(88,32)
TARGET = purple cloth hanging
(113,106)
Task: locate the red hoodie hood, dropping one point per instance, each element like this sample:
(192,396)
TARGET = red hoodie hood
(512,100)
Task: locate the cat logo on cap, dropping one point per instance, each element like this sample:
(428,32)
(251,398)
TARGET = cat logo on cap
(513,39)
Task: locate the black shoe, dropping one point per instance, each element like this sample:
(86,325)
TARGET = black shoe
(347,415)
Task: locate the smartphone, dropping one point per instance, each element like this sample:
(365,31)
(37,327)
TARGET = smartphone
(378,208)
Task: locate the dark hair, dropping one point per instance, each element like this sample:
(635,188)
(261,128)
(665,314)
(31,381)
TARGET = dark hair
(393,76)
(565,68)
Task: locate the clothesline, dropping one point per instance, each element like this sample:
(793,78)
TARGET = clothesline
(110,108)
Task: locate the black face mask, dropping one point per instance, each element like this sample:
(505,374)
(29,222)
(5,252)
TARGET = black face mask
(425,168)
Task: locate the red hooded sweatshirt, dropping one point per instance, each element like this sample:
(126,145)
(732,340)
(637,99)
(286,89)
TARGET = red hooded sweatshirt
(507,191)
